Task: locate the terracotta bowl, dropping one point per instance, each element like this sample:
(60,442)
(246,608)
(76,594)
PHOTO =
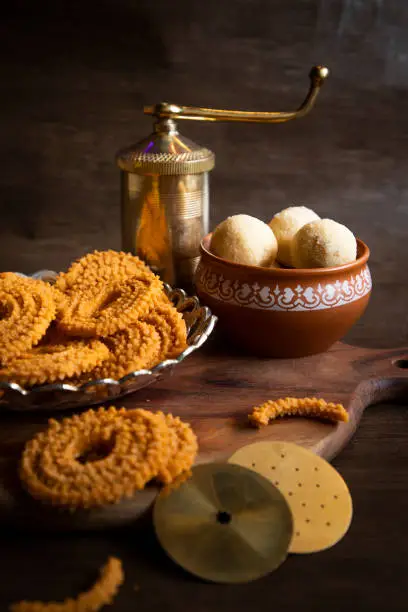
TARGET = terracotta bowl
(279,312)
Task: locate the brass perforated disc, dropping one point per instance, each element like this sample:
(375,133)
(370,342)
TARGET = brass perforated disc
(316,493)
(224,524)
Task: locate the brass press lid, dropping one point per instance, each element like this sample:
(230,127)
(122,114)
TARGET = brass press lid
(166,152)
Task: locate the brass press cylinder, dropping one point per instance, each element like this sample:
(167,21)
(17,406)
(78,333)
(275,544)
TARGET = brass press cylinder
(165,201)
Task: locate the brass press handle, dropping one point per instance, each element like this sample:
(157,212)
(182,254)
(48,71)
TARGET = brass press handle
(318,75)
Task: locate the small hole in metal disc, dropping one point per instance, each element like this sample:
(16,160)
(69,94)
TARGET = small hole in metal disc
(290,493)
(402,364)
(317,486)
(273,467)
(253,465)
(299,484)
(304,504)
(276,482)
(336,496)
(328,524)
(322,505)
(307,520)
(298,533)
(223,518)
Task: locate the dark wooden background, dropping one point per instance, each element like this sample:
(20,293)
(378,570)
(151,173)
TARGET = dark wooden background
(74,78)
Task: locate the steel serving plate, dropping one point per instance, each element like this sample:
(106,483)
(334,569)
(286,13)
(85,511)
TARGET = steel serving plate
(200,323)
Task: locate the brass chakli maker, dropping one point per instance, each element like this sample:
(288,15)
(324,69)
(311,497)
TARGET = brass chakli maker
(165,185)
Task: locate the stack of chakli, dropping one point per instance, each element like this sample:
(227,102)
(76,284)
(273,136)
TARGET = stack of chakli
(107,316)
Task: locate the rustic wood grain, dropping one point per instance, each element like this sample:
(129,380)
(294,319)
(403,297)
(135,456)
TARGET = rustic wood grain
(214,390)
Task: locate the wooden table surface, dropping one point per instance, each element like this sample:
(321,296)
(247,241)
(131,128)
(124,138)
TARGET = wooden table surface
(368,566)
(74,80)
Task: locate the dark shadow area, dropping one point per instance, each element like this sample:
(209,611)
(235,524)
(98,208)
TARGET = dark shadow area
(100,35)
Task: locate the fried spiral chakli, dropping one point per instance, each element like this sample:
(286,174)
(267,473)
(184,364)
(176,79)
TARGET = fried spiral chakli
(106,317)
(293,406)
(135,444)
(171,328)
(104,292)
(134,348)
(108,309)
(27,307)
(184,449)
(101,268)
(98,596)
(100,457)
(55,361)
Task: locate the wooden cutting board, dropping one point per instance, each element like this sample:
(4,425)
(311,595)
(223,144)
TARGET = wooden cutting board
(214,390)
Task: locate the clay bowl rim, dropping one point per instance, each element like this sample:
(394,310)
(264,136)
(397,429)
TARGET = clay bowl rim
(290,272)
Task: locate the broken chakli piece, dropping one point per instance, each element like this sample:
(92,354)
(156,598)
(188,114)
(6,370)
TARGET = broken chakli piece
(301,407)
(107,316)
(99,595)
(27,307)
(54,361)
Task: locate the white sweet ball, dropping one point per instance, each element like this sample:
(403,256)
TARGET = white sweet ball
(323,244)
(245,240)
(285,224)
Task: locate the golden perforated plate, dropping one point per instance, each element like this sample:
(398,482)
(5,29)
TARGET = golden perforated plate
(318,497)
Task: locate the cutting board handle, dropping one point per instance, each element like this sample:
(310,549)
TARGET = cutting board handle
(388,384)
